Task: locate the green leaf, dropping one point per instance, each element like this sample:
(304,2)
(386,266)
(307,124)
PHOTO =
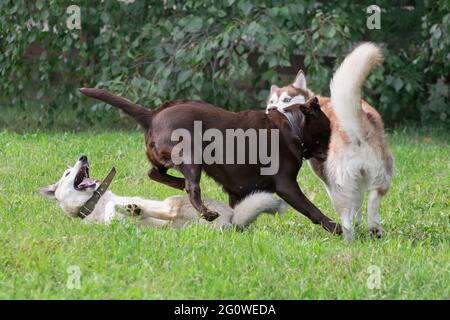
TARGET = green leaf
(39,4)
(105,17)
(183,76)
(398,84)
(246,7)
(194,25)
(329,31)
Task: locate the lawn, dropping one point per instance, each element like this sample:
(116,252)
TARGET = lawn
(281,257)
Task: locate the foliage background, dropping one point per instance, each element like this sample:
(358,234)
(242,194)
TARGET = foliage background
(227,52)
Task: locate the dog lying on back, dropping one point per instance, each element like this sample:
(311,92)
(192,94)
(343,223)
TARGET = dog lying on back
(359,159)
(75,188)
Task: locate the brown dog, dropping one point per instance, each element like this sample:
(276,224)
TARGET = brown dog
(238,180)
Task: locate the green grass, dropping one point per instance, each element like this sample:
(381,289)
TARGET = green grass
(281,257)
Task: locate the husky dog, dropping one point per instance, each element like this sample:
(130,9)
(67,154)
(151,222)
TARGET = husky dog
(358,158)
(75,188)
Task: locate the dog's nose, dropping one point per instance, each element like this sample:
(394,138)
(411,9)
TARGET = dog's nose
(271,109)
(83,158)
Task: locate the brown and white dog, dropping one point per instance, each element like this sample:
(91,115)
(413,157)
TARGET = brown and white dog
(359,159)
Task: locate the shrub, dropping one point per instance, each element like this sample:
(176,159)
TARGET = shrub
(227,52)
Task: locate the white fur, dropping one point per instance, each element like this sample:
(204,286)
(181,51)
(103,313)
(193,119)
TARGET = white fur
(246,211)
(175,210)
(347,83)
(364,163)
(283,101)
(356,170)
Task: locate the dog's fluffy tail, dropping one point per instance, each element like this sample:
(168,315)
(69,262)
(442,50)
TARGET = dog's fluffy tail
(140,114)
(248,210)
(347,83)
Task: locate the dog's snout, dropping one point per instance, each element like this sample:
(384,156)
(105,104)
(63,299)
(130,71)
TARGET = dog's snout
(271,109)
(83,158)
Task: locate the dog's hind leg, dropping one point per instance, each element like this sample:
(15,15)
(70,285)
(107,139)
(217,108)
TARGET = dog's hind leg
(290,192)
(135,206)
(348,204)
(192,174)
(358,207)
(159,174)
(373,208)
(234,199)
(347,224)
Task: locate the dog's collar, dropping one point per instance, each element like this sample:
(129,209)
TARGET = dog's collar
(292,122)
(89,206)
(294,126)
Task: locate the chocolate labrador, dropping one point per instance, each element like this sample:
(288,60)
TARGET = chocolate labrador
(308,131)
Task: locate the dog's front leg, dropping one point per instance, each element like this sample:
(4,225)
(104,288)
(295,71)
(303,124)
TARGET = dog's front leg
(160,174)
(292,194)
(192,174)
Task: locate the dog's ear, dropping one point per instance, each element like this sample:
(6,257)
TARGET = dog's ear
(300,81)
(273,88)
(49,191)
(311,107)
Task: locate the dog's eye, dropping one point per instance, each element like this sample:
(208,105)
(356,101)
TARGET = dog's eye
(67,173)
(317,142)
(287,99)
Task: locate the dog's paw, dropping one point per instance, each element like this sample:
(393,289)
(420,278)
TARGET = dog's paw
(334,228)
(375,232)
(210,215)
(134,210)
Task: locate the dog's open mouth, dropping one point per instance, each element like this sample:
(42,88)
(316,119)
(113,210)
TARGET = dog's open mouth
(82,179)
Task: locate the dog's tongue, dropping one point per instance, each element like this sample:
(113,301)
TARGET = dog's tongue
(86,183)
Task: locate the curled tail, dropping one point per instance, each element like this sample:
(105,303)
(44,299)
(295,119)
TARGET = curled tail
(347,83)
(142,115)
(248,210)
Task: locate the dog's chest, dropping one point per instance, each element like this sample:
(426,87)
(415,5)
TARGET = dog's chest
(103,210)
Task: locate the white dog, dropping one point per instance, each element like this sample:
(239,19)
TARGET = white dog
(359,158)
(75,188)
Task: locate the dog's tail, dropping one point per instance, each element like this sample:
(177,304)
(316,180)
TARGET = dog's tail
(346,87)
(248,210)
(142,115)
